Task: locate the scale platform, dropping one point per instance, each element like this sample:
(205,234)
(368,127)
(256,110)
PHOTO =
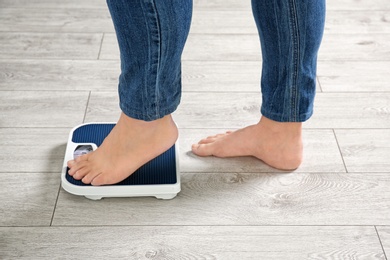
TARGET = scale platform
(158,178)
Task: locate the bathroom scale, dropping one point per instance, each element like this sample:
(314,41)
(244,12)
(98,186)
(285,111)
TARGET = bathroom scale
(158,178)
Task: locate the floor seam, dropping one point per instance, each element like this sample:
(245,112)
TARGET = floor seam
(340,152)
(101,46)
(55,205)
(380,241)
(86,107)
(319,84)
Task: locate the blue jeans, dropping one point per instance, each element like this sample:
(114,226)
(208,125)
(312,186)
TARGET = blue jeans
(152,34)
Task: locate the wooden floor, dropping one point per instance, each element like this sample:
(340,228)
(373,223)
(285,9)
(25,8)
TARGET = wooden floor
(59,67)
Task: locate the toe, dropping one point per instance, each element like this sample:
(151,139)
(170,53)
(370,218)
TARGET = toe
(207,140)
(71,163)
(202,149)
(76,167)
(213,138)
(82,158)
(81,173)
(100,179)
(89,177)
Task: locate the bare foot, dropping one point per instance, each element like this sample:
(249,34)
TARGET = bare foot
(131,144)
(277,144)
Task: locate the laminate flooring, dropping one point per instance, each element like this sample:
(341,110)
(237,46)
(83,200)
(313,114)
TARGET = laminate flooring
(59,67)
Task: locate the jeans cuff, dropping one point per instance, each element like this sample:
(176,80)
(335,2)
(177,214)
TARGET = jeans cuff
(286,118)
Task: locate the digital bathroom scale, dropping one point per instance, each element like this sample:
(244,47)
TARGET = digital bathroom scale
(158,178)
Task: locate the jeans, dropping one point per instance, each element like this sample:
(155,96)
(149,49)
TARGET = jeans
(152,33)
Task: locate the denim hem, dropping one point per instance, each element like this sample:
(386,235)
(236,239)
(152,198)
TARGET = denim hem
(284,118)
(136,114)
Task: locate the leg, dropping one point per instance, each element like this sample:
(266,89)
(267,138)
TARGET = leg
(151,36)
(290,33)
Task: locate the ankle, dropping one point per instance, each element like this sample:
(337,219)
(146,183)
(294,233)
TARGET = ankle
(283,142)
(292,129)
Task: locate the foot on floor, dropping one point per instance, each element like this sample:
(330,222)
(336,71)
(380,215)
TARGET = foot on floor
(277,144)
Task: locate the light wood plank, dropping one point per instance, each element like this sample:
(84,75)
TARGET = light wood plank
(223,22)
(384,234)
(209,47)
(103,107)
(110,48)
(42,108)
(222,76)
(90,4)
(211,76)
(244,199)
(365,150)
(217,5)
(49,45)
(355,47)
(28,199)
(39,150)
(357,22)
(64,75)
(354,76)
(351,110)
(56,20)
(192,243)
(218,110)
(239,47)
(358,5)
